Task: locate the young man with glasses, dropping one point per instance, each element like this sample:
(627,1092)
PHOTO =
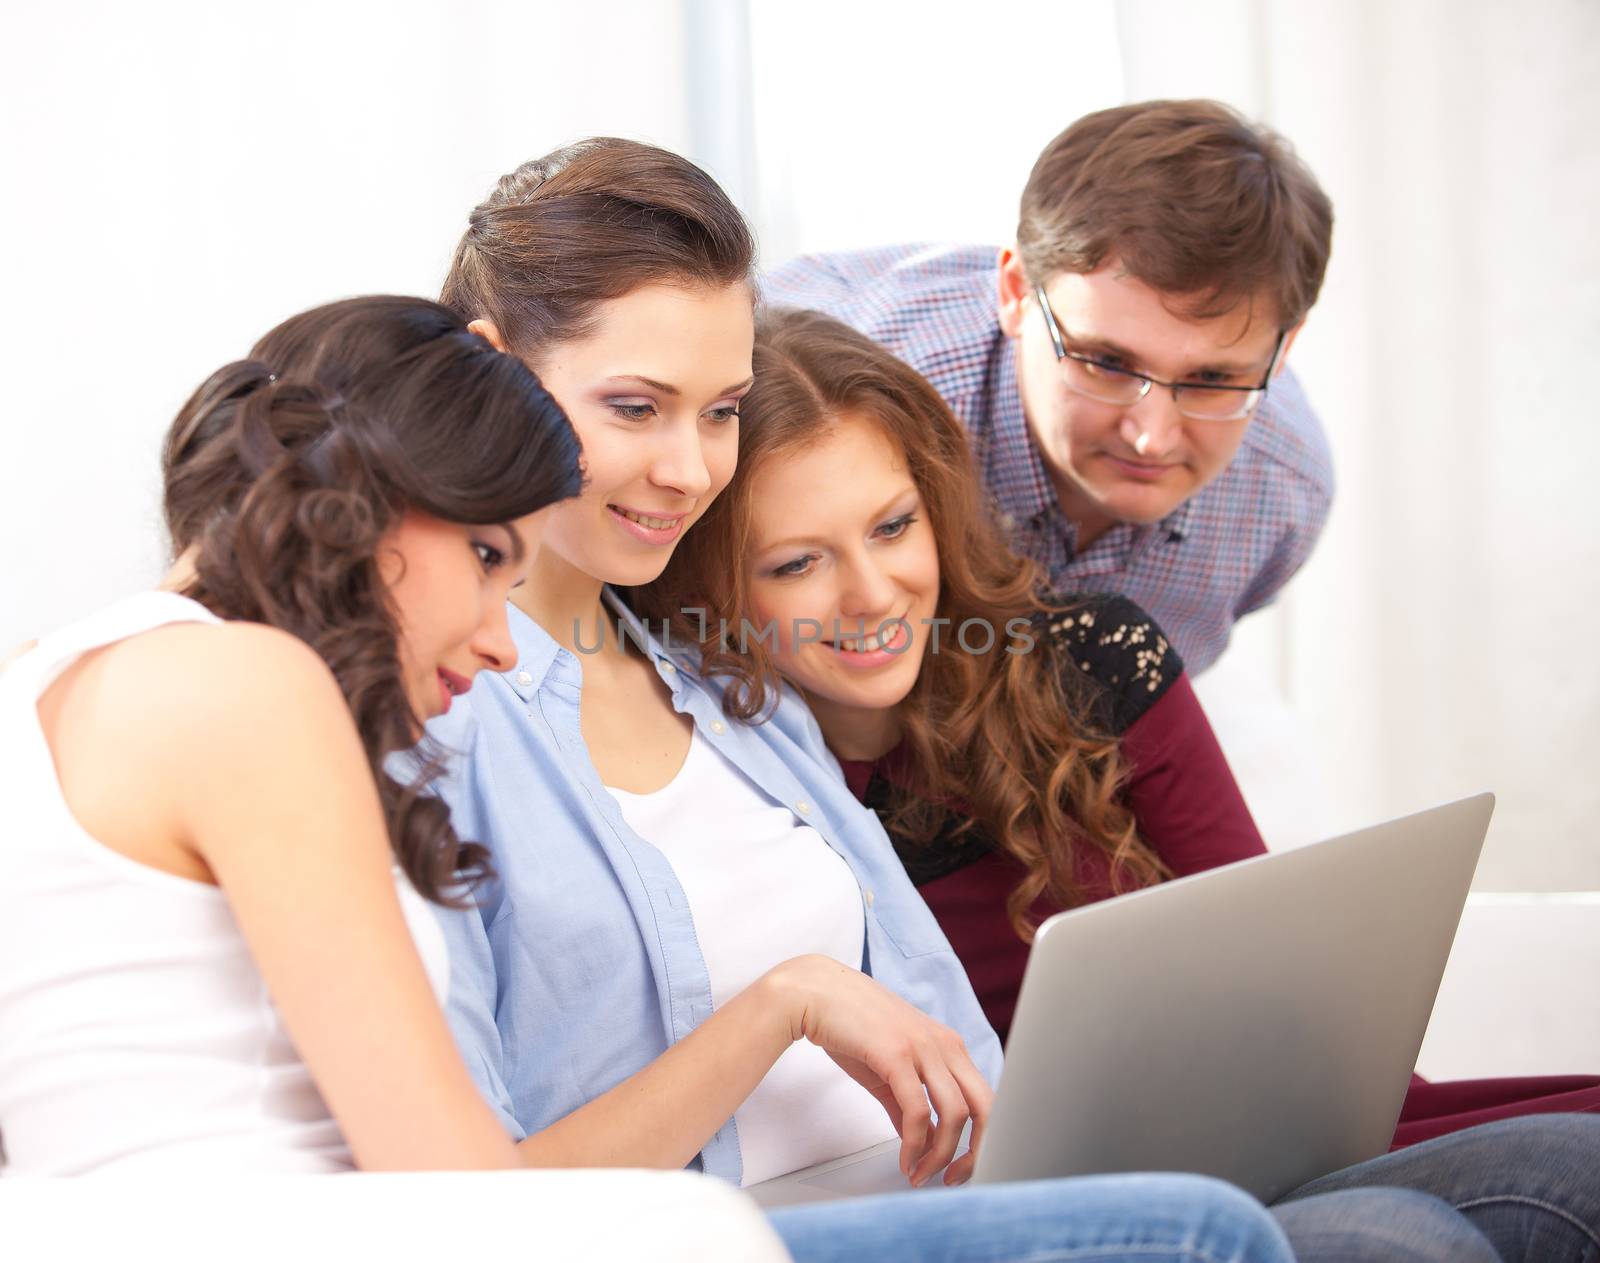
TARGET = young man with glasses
(1119,368)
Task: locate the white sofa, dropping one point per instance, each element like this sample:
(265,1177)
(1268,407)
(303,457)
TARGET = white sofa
(444,1217)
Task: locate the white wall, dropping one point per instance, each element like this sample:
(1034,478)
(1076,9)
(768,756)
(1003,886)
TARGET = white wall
(181,176)
(896,121)
(1437,642)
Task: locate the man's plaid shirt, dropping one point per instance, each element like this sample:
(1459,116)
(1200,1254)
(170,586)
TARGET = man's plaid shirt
(1224,552)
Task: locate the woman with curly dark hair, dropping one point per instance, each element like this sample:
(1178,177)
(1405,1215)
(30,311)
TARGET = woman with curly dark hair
(201,811)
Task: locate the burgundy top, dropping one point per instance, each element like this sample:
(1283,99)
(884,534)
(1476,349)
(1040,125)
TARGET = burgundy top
(1189,810)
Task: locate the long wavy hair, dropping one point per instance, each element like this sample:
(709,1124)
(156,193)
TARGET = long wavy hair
(1009,736)
(283,472)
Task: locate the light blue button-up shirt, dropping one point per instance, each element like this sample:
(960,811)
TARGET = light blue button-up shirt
(579,964)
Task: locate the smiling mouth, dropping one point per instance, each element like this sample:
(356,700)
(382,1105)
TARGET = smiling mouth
(646,519)
(870,643)
(451,686)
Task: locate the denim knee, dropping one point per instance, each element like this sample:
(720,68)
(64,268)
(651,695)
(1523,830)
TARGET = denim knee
(1115,1218)
(1540,1198)
(1391,1225)
(1526,1183)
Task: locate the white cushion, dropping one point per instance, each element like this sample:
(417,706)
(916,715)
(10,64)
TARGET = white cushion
(440,1217)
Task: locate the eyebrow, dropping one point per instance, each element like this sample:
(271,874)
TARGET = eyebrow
(791,541)
(519,549)
(1106,345)
(667,389)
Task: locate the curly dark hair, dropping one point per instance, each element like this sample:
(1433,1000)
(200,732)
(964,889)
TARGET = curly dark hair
(283,472)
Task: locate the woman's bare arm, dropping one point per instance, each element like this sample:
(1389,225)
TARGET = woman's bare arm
(663,1115)
(273,794)
(245,729)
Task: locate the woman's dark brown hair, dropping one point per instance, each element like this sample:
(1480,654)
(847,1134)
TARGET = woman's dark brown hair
(1190,197)
(586,224)
(1006,734)
(283,472)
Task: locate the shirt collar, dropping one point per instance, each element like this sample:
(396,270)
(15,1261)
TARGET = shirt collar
(538,651)
(1176,524)
(1014,469)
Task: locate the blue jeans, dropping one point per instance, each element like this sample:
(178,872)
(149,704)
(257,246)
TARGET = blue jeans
(1092,1219)
(1522,1191)
(1529,1188)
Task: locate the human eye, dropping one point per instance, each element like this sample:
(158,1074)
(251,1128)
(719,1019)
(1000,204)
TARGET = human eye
(632,409)
(724,413)
(794,569)
(896,527)
(1102,364)
(490,557)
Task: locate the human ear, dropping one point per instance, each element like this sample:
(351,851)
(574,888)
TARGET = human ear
(1015,293)
(488,331)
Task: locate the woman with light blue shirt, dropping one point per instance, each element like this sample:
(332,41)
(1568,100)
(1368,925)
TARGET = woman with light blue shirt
(698,948)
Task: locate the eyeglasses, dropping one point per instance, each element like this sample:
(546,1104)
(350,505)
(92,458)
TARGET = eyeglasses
(1093,378)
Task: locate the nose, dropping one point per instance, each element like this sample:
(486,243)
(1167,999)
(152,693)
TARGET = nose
(492,642)
(867,595)
(1153,427)
(681,464)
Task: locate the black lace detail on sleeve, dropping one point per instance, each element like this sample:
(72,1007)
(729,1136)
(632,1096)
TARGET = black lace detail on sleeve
(1110,642)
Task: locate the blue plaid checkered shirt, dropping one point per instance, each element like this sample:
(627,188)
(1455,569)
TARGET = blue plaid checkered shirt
(1221,554)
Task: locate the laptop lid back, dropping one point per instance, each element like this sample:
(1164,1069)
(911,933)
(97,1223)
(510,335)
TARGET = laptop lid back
(1258,1023)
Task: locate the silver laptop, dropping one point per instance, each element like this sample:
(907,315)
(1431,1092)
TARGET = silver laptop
(1258,1022)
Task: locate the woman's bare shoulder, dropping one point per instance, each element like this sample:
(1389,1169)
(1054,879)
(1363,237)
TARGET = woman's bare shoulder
(204,689)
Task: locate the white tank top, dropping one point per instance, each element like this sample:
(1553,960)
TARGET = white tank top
(762,888)
(136,1032)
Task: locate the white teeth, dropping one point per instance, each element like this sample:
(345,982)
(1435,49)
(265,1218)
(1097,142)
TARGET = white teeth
(862,644)
(644,519)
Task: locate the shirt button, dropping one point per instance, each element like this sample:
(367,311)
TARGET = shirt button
(718,727)
(524,679)
(803,807)
(869,898)
(667,668)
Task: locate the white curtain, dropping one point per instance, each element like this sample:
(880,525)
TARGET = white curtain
(1439,640)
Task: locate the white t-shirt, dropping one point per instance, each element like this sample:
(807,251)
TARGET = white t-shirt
(136,1032)
(763,888)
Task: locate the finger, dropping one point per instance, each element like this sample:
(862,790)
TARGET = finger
(891,1107)
(980,1100)
(960,1171)
(915,1114)
(951,1105)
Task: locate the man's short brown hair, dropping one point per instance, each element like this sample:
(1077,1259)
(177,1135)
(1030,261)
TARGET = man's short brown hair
(1190,198)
